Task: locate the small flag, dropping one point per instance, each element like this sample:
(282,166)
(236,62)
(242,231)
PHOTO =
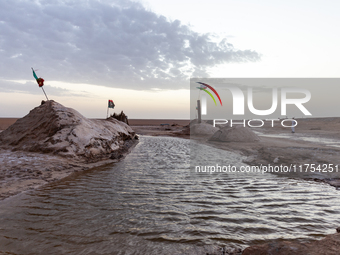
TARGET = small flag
(111,104)
(40,81)
(34,75)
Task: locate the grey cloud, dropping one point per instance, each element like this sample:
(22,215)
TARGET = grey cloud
(110,43)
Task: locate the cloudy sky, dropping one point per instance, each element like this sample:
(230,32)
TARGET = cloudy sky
(141,54)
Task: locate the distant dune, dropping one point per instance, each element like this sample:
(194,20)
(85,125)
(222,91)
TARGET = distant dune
(6,122)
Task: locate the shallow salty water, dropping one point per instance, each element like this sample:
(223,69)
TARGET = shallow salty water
(303,137)
(150,204)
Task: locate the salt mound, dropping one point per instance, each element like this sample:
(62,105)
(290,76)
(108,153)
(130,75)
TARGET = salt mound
(53,128)
(194,122)
(202,129)
(235,134)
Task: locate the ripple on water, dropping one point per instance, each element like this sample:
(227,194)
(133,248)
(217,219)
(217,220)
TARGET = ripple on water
(151,204)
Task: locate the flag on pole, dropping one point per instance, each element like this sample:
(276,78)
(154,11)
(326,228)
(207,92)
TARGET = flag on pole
(111,104)
(34,75)
(40,81)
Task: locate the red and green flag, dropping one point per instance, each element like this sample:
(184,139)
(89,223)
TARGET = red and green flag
(40,81)
(111,104)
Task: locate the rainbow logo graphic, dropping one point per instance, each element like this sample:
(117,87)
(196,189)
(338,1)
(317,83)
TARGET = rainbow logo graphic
(204,87)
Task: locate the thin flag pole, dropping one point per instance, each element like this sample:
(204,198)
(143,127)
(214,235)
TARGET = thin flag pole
(44,93)
(109,105)
(40,82)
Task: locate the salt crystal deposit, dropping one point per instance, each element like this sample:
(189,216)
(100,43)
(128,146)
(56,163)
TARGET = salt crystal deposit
(202,129)
(53,128)
(235,134)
